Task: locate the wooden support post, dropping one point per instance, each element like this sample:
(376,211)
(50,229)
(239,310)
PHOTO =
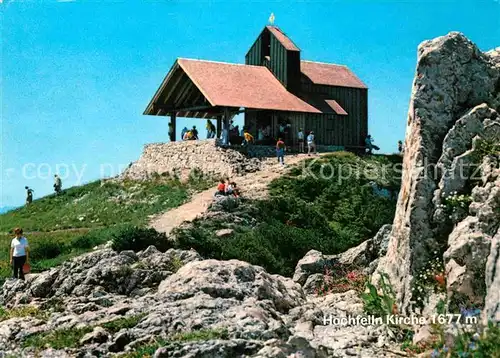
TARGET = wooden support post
(219,126)
(173,120)
(225,126)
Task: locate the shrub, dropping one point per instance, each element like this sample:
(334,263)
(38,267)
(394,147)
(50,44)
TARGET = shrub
(137,239)
(46,250)
(380,305)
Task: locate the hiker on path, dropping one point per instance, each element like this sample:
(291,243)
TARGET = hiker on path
(369,144)
(311,144)
(210,129)
(29,195)
(280,151)
(183,132)
(171,131)
(300,137)
(19,253)
(57,184)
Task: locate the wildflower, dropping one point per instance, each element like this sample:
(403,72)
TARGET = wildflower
(440,279)
(444,349)
(472,346)
(475,336)
(435,353)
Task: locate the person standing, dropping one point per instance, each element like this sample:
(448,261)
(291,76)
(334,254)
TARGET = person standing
(300,137)
(210,129)
(194,133)
(57,184)
(311,144)
(29,195)
(401,148)
(19,253)
(280,151)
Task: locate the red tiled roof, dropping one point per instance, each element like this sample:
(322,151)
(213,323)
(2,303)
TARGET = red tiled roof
(235,85)
(282,38)
(337,108)
(330,74)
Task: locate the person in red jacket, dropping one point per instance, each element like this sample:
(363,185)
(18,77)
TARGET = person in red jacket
(280,151)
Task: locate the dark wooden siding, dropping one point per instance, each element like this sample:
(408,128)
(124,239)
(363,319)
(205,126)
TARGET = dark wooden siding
(335,129)
(284,64)
(254,55)
(278,65)
(293,71)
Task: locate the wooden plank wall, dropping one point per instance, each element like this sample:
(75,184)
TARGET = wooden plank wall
(335,129)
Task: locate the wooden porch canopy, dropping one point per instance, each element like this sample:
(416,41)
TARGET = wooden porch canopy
(203,89)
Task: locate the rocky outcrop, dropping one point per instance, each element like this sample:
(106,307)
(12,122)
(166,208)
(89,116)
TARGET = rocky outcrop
(184,307)
(181,158)
(313,266)
(453,128)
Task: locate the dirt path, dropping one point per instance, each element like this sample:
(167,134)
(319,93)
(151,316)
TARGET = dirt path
(252,185)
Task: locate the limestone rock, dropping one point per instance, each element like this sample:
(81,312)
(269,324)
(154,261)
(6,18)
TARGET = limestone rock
(454,98)
(465,259)
(98,335)
(492,299)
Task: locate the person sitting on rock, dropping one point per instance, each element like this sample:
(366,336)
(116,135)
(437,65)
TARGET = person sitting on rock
(183,132)
(221,188)
(229,189)
(236,191)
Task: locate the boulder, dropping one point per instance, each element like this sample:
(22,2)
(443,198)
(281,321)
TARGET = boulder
(465,260)
(98,335)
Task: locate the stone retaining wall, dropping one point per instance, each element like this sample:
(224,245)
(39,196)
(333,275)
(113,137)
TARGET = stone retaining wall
(180,158)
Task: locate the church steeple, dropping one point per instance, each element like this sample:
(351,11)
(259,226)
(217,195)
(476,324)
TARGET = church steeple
(275,50)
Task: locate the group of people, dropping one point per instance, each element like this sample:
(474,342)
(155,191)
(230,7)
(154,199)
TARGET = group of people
(227,188)
(188,134)
(57,189)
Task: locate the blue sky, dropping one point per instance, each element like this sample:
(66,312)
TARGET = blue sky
(77,75)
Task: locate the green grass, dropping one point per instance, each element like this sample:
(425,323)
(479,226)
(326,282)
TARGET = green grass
(23,311)
(57,339)
(96,205)
(149,349)
(302,213)
(121,323)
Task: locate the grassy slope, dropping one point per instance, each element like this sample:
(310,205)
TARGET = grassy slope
(54,225)
(304,212)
